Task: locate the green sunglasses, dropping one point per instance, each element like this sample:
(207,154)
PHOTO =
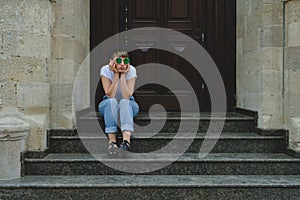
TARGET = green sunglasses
(119,60)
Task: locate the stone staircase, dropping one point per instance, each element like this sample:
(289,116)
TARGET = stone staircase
(245,163)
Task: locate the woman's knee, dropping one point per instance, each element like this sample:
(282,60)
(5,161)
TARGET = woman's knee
(124,102)
(112,101)
(108,102)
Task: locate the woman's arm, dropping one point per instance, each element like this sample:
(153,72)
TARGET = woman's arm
(110,88)
(127,86)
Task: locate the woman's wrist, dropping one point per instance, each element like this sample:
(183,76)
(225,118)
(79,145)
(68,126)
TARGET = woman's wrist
(122,75)
(116,75)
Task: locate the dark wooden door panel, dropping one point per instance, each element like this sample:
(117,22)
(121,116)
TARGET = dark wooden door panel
(220,42)
(183,15)
(144,13)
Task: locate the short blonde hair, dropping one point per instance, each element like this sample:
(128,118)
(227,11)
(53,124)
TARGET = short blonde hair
(120,54)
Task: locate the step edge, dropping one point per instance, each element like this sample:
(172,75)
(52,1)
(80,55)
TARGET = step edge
(170,137)
(179,160)
(252,182)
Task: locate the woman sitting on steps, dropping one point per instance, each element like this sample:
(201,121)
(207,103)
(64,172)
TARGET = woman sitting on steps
(118,81)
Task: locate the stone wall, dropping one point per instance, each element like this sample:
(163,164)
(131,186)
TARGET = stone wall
(69,47)
(292,72)
(42,44)
(24,61)
(259,60)
(268,63)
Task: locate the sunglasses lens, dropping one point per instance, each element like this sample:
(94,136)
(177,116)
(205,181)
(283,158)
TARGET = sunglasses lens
(126,61)
(118,60)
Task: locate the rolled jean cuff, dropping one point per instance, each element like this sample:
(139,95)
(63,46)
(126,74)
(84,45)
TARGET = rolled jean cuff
(109,130)
(127,127)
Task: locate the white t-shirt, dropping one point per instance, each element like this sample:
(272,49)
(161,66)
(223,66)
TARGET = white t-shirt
(106,72)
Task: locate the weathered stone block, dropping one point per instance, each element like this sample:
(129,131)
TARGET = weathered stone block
(295,133)
(272,104)
(62,71)
(270,122)
(251,41)
(294,34)
(9,14)
(62,116)
(240,26)
(253,101)
(293,11)
(13,134)
(253,82)
(252,62)
(81,90)
(80,53)
(33,94)
(271,58)
(62,48)
(271,81)
(16,43)
(61,94)
(8,91)
(254,17)
(63,6)
(36,17)
(10,42)
(64,24)
(35,45)
(24,69)
(35,110)
(292,60)
(239,47)
(67,120)
(37,138)
(255,5)
(294,101)
(250,83)
(272,12)
(271,36)
(294,81)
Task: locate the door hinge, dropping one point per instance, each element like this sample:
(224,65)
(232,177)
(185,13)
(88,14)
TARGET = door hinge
(203,37)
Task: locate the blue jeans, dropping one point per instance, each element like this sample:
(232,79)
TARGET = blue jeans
(109,108)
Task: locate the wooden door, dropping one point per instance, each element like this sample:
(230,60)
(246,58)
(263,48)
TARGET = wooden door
(210,22)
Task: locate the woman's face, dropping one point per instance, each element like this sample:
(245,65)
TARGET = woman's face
(121,66)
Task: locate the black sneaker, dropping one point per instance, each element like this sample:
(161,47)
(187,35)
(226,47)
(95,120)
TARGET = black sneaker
(125,145)
(112,149)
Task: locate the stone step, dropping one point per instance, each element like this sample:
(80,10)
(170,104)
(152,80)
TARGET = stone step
(167,164)
(151,187)
(170,122)
(147,142)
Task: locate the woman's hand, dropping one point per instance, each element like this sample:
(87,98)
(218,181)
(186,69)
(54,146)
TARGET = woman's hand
(112,66)
(128,69)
